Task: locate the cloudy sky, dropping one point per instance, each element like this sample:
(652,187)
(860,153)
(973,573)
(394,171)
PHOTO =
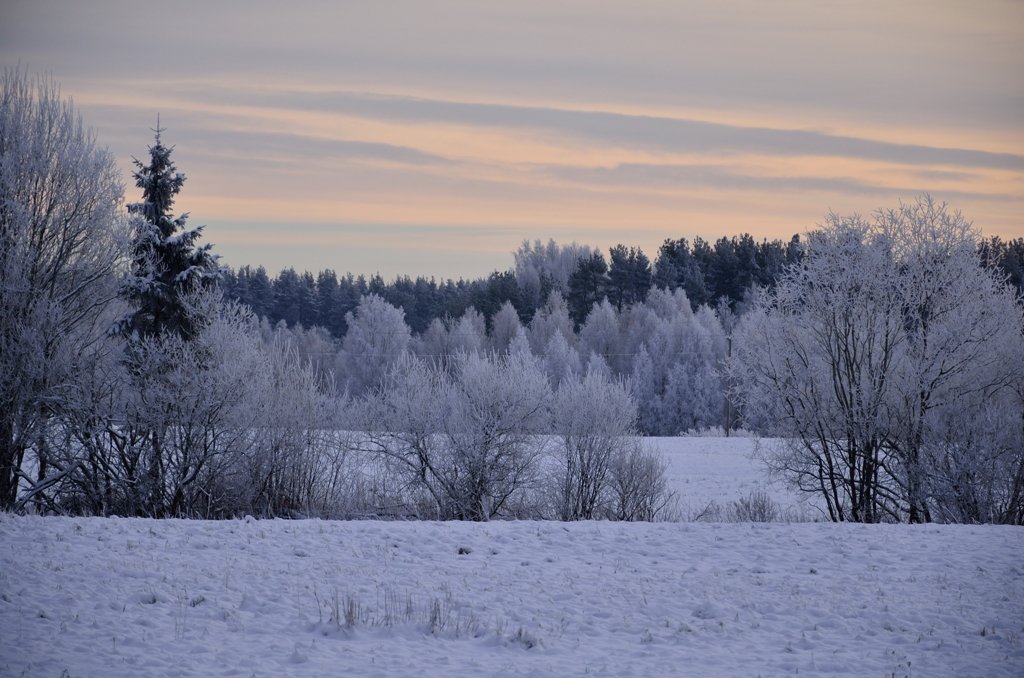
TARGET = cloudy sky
(433,137)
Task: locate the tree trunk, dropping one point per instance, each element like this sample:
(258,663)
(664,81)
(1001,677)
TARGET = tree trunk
(11,456)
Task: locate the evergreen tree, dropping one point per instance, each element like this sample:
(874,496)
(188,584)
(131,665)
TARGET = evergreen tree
(724,273)
(587,286)
(429,299)
(287,289)
(332,316)
(673,257)
(167,261)
(1007,256)
(401,294)
(309,312)
(629,276)
(770,260)
(697,284)
(261,292)
(491,294)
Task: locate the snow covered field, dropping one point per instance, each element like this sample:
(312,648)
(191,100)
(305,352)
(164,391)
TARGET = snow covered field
(722,470)
(133,597)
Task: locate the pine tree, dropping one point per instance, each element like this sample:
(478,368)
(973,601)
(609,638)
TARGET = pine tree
(167,261)
(287,289)
(629,276)
(587,285)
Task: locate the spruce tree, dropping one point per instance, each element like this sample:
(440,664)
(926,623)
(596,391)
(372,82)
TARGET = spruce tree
(588,284)
(167,261)
(629,276)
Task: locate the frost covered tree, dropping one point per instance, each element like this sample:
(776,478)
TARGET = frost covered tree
(443,340)
(313,347)
(593,418)
(599,335)
(520,344)
(668,304)
(552,318)
(195,411)
(504,327)
(542,268)
(61,244)
(497,408)
(639,485)
(469,334)
(402,421)
(168,263)
(973,463)
(227,425)
(377,336)
(560,360)
(291,463)
(962,353)
(817,361)
(675,376)
(889,330)
(466,437)
(432,344)
(160,427)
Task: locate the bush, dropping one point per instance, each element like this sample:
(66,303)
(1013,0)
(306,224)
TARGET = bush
(756,507)
(639,486)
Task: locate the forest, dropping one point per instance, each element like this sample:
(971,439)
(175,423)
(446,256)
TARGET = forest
(141,377)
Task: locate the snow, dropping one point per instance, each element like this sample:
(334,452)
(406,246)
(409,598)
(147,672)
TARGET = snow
(722,470)
(129,597)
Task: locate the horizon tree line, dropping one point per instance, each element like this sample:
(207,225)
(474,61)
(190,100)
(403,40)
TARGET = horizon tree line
(725,271)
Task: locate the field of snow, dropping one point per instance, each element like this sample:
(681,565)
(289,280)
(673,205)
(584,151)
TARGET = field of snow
(134,597)
(722,470)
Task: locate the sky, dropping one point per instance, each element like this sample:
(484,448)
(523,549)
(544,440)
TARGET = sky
(432,138)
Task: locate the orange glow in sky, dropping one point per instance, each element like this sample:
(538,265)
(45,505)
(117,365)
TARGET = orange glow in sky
(403,138)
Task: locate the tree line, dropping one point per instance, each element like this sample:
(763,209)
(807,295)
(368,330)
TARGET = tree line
(710,273)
